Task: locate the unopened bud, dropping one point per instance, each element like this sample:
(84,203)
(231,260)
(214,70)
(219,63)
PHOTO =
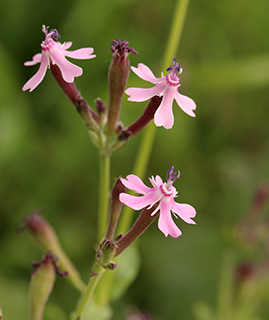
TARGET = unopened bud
(119,127)
(41,230)
(44,234)
(244,272)
(41,285)
(1,314)
(105,252)
(260,198)
(117,78)
(100,106)
(87,114)
(112,266)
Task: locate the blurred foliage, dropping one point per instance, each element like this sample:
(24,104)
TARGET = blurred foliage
(47,161)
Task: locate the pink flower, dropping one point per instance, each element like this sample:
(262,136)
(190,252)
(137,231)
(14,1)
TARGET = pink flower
(54,53)
(166,86)
(162,193)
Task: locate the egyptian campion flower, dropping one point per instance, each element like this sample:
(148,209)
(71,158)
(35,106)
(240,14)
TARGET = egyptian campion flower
(54,52)
(166,86)
(162,193)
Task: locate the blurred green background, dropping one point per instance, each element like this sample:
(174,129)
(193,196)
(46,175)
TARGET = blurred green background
(48,163)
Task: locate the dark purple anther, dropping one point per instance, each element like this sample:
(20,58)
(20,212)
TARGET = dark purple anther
(172,176)
(55,34)
(121,47)
(175,67)
(168,173)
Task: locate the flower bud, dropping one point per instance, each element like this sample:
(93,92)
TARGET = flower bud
(41,230)
(41,285)
(117,78)
(100,106)
(87,115)
(1,314)
(105,253)
(47,238)
(244,272)
(102,112)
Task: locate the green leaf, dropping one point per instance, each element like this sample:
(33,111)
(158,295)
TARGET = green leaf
(95,312)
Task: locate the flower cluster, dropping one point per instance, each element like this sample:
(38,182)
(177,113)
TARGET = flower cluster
(159,199)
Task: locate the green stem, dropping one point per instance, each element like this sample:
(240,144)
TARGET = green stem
(103,195)
(97,274)
(176,32)
(1,314)
(66,265)
(144,152)
(226,290)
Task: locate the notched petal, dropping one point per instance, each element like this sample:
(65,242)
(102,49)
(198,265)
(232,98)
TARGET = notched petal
(144,72)
(186,104)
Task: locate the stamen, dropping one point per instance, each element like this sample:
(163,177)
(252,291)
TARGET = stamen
(52,33)
(172,176)
(175,67)
(45,29)
(121,47)
(55,34)
(170,171)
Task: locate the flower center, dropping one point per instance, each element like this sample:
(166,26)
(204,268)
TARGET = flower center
(48,43)
(166,190)
(172,78)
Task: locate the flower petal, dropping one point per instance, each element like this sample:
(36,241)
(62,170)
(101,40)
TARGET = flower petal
(144,72)
(36,59)
(135,183)
(138,203)
(68,69)
(159,180)
(184,211)
(38,77)
(66,45)
(84,53)
(165,222)
(142,94)
(186,104)
(164,114)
